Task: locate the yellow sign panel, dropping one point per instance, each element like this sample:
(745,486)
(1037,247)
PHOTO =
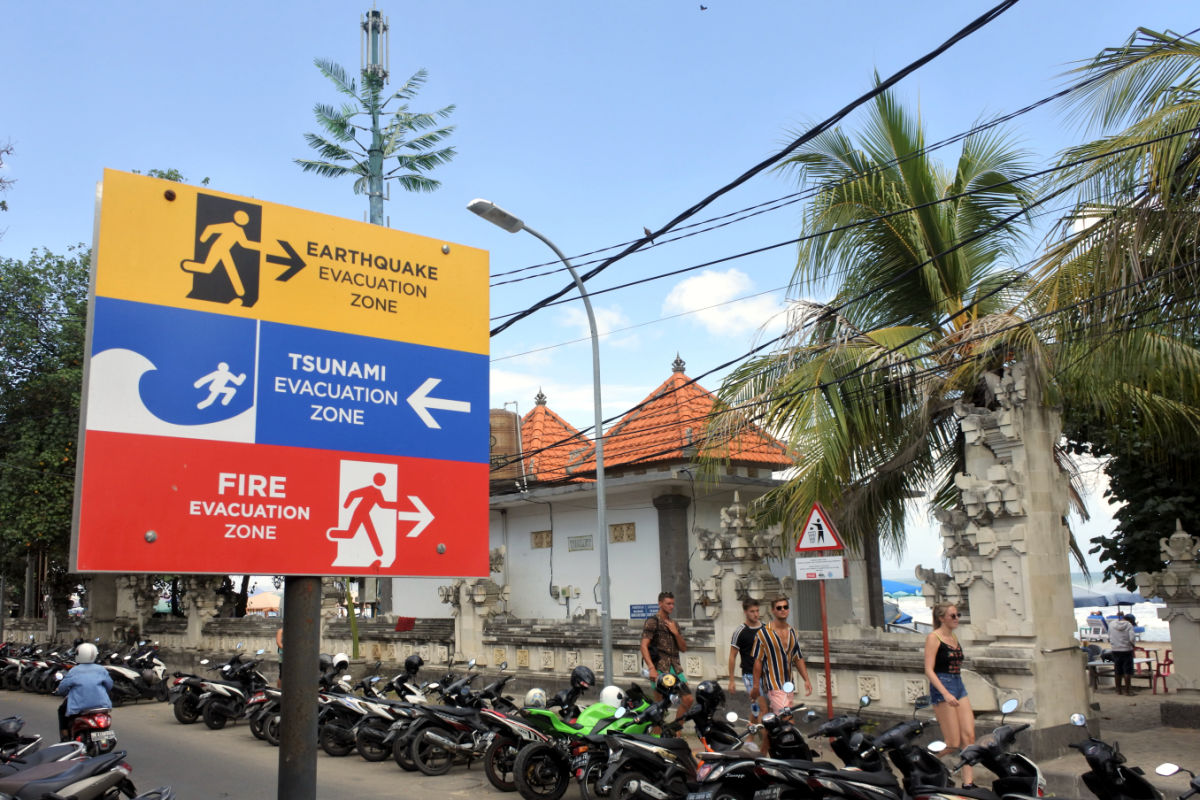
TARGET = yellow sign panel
(176,245)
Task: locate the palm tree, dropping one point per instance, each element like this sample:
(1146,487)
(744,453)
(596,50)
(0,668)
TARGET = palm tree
(1121,279)
(920,262)
(413,139)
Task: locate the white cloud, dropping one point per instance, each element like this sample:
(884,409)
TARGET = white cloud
(707,298)
(607,320)
(572,400)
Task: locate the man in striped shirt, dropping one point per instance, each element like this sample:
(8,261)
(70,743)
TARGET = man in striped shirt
(776,649)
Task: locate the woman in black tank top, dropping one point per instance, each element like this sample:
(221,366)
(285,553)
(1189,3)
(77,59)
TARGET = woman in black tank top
(943,668)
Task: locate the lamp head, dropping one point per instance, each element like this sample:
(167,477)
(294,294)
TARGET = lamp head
(496,215)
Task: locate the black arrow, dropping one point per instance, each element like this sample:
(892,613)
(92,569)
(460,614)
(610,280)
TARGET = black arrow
(293,261)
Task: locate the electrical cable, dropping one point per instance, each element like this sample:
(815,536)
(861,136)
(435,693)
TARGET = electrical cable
(790,199)
(814,131)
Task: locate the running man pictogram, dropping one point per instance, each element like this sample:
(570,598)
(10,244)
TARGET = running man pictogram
(218,384)
(369,498)
(227,234)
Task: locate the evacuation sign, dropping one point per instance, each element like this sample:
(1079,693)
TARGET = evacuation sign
(276,391)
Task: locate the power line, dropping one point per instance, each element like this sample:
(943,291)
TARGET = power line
(513,316)
(880,87)
(790,199)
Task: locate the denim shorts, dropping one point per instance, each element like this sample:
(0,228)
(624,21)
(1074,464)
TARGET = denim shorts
(748,681)
(953,684)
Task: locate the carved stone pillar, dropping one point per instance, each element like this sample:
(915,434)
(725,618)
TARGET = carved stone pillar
(474,601)
(1008,550)
(673,550)
(200,604)
(101,604)
(1179,587)
(741,550)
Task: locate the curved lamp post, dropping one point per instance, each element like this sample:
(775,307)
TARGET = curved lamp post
(501,218)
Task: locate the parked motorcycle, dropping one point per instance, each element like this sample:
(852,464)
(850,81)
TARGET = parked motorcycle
(184,689)
(1017,773)
(223,701)
(1168,769)
(462,732)
(139,675)
(97,778)
(665,769)
(1108,777)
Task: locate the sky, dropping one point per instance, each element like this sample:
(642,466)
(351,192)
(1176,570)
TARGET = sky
(591,121)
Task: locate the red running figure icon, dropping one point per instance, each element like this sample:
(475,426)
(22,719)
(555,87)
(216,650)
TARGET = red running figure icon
(369,498)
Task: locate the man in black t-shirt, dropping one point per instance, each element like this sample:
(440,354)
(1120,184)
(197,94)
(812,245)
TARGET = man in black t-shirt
(742,646)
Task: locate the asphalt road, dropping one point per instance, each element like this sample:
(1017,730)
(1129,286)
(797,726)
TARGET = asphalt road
(203,764)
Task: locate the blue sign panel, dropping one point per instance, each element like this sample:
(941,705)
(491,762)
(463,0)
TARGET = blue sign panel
(175,372)
(338,391)
(643,610)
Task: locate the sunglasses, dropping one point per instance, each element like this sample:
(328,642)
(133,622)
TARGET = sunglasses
(781,608)
(952,616)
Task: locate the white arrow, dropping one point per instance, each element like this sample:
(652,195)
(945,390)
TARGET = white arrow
(422,516)
(421,402)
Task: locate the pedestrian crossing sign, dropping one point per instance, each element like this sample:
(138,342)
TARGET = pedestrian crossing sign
(819,532)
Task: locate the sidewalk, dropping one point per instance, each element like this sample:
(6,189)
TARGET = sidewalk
(1133,724)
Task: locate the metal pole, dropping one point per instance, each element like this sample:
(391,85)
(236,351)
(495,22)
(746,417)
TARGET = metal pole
(298,712)
(825,643)
(601,504)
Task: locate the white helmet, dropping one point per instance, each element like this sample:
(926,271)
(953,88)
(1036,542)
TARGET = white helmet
(612,696)
(86,653)
(341,661)
(535,698)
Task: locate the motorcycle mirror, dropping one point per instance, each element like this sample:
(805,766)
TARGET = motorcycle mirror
(58,676)
(731,717)
(347,677)
(1078,720)
(204,661)
(924,701)
(810,716)
(503,665)
(1166,769)
(936,746)
(1010,705)
(864,701)
(620,712)
(259,651)
(125,657)
(471,664)
(789,687)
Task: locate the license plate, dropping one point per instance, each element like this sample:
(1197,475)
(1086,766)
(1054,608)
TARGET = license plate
(104,736)
(579,762)
(707,795)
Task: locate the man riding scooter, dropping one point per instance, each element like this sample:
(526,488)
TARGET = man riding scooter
(86,686)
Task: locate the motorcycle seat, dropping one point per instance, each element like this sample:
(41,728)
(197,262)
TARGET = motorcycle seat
(43,779)
(885,780)
(98,710)
(978,793)
(678,746)
(456,711)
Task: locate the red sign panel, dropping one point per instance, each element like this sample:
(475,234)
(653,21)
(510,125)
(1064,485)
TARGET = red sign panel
(276,510)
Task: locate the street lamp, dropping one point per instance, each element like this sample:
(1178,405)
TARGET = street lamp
(501,218)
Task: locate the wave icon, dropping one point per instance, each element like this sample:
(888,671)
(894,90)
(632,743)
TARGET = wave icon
(115,403)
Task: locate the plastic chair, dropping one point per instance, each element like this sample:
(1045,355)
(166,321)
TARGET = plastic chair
(1146,672)
(1161,670)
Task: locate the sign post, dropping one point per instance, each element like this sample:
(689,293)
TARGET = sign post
(270,390)
(820,535)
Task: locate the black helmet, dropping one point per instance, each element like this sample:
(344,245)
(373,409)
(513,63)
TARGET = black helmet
(710,695)
(413,663)
(666,684)
(582,678)
(325,661)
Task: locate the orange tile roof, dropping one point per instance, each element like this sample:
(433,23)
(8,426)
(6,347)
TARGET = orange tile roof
(542,428)
(670,425)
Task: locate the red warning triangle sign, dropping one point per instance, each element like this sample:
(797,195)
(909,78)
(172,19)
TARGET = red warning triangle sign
(819,532)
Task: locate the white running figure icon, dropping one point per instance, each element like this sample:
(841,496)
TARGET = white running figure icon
(218,384)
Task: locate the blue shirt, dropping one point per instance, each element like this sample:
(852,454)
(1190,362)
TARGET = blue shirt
(86,686)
